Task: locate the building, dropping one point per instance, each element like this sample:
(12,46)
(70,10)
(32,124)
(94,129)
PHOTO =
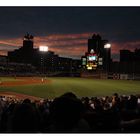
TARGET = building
(25,54)
(97,44)
(129,61)
(126,55)
(43,61)
(3,59)
(137,55)
(98,55)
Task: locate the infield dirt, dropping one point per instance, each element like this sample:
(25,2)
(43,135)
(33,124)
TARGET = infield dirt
(19,82)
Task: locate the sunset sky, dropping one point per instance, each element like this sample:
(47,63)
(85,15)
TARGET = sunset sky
(66,29)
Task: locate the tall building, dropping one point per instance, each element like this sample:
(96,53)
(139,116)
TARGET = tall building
(95,43)
(98,55)
(130,61)
(137,55)
(28,41)
(126,55)
(25,54)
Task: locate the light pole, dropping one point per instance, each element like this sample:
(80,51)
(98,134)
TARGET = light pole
(43,50)
(107,56)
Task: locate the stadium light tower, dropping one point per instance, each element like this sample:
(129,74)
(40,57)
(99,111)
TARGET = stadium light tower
(43,49)
(107,58)
(107,45)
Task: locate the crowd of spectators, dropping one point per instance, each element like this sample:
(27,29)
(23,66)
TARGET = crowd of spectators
(69,114)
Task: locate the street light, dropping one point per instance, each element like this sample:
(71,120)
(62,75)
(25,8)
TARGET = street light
(43,49)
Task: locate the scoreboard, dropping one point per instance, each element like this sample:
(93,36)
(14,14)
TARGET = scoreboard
(92,61)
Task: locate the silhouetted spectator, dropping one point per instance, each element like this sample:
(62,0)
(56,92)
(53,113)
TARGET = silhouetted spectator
(66,114)
(27,101)
(69,95)
(132,104)
(25,119)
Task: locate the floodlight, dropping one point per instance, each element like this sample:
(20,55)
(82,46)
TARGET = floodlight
(43,48)
(107,45)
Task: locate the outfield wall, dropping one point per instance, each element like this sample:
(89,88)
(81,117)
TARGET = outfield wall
(115,76)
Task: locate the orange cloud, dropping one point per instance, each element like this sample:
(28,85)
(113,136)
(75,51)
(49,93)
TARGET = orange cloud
(65,44)
(116,47)
(69,44)
(3,53)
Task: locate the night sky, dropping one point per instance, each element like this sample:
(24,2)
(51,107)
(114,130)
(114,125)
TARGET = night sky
(66,29)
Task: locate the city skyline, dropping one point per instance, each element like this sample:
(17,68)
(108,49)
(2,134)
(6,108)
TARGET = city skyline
(66,29)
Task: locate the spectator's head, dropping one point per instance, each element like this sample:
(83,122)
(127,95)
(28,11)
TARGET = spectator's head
(98,105)
(115,94)
(66,110)
(69,95)
(132,102)
(25,119)
(28,101)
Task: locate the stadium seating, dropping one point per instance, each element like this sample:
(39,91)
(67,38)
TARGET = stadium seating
(69,114)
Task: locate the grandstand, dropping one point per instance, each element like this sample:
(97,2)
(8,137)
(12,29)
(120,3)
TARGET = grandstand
(16,69)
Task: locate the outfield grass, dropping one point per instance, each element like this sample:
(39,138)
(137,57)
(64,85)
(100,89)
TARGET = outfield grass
(80,86)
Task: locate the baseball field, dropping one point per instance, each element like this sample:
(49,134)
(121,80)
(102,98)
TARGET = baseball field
(36,87)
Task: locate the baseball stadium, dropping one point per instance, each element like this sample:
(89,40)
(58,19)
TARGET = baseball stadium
(67,82)
(51,94)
